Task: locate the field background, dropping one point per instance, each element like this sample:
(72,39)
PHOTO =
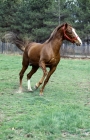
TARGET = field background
(63,113)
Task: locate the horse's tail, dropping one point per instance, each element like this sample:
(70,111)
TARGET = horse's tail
(14,39)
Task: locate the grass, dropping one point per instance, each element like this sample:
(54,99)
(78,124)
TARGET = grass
(63,113)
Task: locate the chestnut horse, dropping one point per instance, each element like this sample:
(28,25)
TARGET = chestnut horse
(44,55)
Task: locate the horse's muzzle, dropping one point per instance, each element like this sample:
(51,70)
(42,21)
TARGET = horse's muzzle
(78,43)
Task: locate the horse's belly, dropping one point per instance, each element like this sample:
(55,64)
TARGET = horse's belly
(33,58)
(34,61)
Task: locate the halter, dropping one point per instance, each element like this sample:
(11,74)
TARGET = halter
(67,37)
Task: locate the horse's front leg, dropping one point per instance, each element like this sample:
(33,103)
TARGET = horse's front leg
(40,82)
(43,67)
(47,79)
(29,75)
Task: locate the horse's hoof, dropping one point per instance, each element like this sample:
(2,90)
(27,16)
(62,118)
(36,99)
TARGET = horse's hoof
(30,90)
(41,94)
(36,87)
(19,91)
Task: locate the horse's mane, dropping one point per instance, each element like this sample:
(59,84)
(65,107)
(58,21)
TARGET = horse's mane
(54,32)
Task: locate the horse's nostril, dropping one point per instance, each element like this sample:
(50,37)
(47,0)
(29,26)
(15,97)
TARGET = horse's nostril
(80,44)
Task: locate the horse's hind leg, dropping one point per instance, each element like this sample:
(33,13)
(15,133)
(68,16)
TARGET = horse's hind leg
(29,75)
(21,76)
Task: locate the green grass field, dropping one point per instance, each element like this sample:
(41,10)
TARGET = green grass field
(63,113)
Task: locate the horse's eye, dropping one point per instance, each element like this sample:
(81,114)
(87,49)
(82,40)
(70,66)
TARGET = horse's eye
(70,32)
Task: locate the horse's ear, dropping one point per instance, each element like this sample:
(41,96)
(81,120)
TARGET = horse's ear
(66,24)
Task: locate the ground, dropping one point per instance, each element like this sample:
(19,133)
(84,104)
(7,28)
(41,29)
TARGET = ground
(63,113)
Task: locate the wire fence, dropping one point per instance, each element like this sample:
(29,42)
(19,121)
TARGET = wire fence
(67,50)
(71,50)
(8,48)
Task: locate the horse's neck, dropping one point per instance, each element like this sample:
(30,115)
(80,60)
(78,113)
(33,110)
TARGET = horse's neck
(56,44)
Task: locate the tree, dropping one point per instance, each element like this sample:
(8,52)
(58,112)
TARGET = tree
(84,17)
(37,18)
(79,15)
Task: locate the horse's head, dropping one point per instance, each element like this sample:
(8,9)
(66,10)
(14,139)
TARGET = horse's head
(71,35)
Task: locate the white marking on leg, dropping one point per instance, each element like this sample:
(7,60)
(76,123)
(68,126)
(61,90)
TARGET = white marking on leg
(29,86)
(77,36)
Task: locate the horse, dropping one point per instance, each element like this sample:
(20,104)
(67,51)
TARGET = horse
(44,55)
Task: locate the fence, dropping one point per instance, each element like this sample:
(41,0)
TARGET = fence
(71,50)
(67,50)
(8,48)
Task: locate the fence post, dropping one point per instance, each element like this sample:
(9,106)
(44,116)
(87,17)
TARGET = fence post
(2,47)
